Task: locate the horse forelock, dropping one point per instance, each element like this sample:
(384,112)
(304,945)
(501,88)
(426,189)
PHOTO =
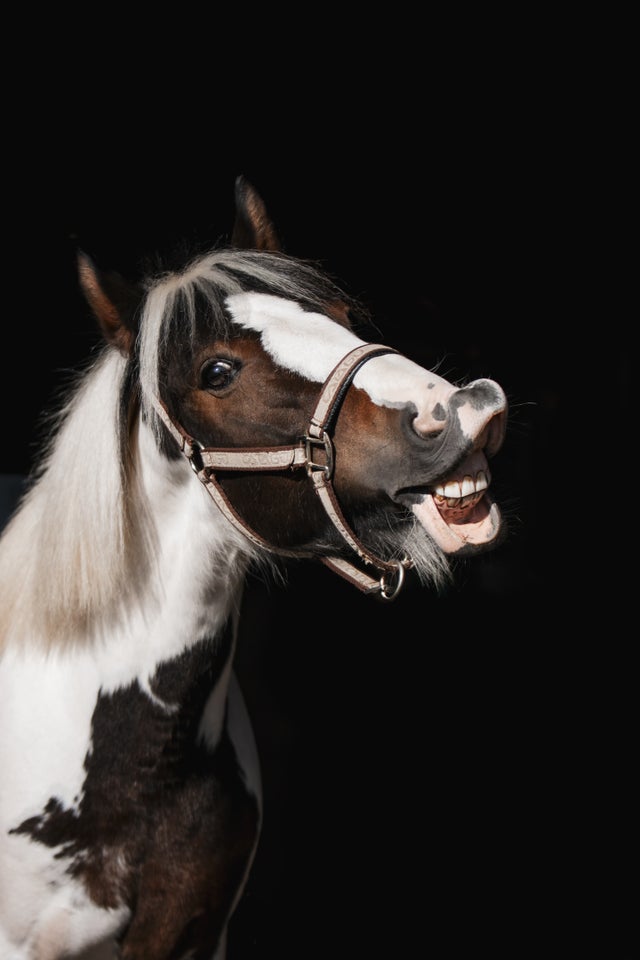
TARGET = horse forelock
(178,304)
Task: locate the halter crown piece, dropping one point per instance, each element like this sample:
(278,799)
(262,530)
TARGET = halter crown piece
(206,460)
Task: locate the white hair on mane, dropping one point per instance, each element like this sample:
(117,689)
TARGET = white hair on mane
(63,554)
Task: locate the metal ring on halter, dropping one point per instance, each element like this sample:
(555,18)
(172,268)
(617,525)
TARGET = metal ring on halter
(391,592)
(195,456)
(323,441)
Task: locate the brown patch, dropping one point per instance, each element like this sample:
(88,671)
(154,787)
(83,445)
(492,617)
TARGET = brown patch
(339,311)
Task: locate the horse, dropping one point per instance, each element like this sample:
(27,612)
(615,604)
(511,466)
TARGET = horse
(230,420)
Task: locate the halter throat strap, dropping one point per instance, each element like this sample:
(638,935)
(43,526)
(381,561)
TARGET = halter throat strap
(314,452)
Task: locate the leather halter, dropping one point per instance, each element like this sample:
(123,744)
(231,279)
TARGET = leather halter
(206,460)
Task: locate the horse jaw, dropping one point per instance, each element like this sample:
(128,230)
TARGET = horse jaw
(459,514)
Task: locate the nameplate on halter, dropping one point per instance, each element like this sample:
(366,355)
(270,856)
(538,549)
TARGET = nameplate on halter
(275,458)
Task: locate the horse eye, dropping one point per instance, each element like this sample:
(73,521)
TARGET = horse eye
(217,374)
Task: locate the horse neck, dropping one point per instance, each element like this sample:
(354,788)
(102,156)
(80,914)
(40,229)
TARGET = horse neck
(100,550)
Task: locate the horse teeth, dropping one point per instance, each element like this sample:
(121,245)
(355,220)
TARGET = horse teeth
(467,487)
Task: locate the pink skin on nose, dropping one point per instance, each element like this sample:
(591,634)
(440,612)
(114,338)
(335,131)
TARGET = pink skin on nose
(472,417)
(432,417)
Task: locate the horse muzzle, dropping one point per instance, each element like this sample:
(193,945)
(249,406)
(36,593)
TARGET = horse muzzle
(456,509)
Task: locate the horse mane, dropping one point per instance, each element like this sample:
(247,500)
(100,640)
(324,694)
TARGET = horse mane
(81,540)
(63,554)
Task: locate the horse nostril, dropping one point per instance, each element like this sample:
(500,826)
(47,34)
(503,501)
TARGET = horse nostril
(430,423)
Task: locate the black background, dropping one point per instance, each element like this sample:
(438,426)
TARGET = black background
(446,773)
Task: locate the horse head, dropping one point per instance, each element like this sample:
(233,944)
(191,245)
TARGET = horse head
(234,354)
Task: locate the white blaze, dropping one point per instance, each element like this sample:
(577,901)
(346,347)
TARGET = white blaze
(311,345)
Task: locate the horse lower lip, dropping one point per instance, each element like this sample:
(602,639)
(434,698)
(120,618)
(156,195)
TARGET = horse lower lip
(459,528)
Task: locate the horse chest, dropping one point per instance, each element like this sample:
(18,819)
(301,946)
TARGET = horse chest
(158,806)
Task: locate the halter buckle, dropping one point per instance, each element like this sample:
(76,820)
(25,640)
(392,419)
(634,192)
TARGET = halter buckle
(323,441)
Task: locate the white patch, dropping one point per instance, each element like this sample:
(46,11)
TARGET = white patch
(35,885)
(306,343)
(47,703)
(311,345)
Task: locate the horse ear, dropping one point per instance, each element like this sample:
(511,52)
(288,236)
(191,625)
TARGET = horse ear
(113,301)
(253,229)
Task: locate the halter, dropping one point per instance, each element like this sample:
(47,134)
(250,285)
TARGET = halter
(206,460)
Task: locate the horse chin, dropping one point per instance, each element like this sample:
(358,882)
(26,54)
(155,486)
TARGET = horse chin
(459,529)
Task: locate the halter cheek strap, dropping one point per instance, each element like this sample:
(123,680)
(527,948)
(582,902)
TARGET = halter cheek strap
(206,460)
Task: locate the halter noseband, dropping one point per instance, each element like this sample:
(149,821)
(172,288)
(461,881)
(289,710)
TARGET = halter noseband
(206,460)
